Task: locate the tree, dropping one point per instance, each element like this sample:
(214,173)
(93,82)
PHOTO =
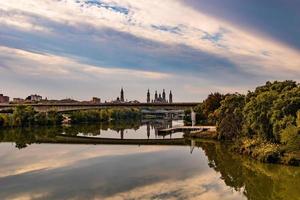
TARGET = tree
(230,116)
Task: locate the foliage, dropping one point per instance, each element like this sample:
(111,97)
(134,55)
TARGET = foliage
(205,111)
(290,136)
(270,115)
(271,108)
(27,116)
(230,116)
(85,116)
(105,115)
(23,116)
(259,149)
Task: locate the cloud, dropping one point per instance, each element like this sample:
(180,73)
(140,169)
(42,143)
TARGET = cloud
(95,173)
(67,155)
(242,48)
(140,40)
(29,63)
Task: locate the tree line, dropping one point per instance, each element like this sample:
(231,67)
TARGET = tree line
(26,116)
(104,115)
(264,123)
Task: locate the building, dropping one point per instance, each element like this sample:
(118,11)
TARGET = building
(4,99)
(170,97)
(96,100)
(148,96)
(164,95)
(120,99)
(122,95)
(34,97)
(160,97)
(18,100)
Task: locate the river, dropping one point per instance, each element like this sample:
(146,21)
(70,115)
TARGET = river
(29,170)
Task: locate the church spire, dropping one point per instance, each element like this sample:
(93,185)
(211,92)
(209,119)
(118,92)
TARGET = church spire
(164,95)
(122,95)
(148,96)
(170,97)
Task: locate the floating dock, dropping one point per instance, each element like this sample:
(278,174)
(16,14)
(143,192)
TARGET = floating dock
(186,128)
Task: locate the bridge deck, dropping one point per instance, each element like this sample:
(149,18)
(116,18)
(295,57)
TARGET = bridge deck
(44,107)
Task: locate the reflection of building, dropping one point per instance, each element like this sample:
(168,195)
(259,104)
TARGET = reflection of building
(160,98)
(155,125)
(4,99)
(148,130)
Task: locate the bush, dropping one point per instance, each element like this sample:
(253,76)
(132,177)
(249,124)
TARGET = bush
(267,152)
(290,137)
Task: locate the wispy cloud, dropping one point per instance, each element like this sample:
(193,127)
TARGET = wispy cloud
(30,63)
(139,39)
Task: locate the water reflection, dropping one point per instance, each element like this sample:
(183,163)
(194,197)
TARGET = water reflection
(59,171)
(256,180)
(144,129)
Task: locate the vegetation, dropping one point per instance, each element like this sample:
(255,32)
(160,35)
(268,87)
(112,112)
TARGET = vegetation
(104,115)
(264,124)
(26,116)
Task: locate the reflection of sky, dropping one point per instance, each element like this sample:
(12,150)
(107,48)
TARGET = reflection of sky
(143,132)
(112,172)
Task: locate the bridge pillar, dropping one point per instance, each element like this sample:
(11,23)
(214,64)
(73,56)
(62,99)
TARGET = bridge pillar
(193,117)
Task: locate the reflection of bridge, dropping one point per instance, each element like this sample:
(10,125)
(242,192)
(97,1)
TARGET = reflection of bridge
(62,107)
(66,139)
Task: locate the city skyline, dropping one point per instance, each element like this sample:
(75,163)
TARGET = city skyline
(155,97)
(85,48)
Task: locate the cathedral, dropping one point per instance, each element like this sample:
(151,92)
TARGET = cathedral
(159,98)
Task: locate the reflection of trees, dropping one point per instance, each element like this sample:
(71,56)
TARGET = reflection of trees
(95,129)
(257,181)
(25,136)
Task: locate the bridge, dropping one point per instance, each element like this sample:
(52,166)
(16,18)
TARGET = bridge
(64,107)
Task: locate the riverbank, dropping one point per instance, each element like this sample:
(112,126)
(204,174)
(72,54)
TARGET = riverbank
(263,124)
(266,152)
(257,149)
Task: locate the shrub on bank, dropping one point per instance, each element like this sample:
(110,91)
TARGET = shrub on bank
(259,149)
(25,116)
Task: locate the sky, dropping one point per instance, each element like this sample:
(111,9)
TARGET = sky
(84,48)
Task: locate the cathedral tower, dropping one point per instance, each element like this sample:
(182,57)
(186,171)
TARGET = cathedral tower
(170,97)
(122,95)
(148,96)
(164,95)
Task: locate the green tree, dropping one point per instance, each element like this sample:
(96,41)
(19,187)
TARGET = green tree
(257,114)
(230,116)
(23,116)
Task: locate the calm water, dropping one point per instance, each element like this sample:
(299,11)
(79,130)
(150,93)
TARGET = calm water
(62,171)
